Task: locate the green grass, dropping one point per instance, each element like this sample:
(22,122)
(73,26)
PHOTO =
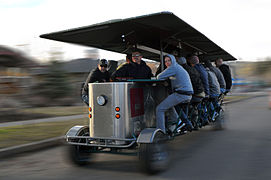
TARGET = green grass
(57,111)
(16,135)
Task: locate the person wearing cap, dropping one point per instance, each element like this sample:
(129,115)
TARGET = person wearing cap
(193,61)
(135,69)
(99,74)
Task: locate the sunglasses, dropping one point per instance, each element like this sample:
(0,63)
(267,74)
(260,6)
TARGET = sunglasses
(136,55)
(103,65)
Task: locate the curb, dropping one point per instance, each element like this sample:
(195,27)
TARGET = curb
(52,142)
(34,146)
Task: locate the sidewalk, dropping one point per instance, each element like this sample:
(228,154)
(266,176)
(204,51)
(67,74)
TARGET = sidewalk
(62,118)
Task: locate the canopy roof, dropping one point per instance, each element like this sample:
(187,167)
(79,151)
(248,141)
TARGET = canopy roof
(149,33)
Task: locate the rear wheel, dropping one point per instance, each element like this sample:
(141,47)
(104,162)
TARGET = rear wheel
(154,157)
(219,123)
(195,119)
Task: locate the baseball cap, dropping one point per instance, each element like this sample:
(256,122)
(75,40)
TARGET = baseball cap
(103,62)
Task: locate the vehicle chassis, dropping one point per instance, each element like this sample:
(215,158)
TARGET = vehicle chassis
(133,130)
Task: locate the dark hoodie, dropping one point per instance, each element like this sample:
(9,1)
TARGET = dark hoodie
(225,69)
(95,76)
(194,76)
(134,71)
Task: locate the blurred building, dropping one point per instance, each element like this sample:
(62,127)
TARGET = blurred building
(76,70)
(250,75)
(92,54)
(19,74)
(14,76)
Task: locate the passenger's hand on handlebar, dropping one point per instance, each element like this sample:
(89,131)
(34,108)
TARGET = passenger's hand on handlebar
(227,91)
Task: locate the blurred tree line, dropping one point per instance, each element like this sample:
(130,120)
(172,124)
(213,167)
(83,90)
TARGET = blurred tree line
(263,67)
(55,86)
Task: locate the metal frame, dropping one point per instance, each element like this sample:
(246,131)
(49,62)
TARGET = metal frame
(100,141)
(147,135)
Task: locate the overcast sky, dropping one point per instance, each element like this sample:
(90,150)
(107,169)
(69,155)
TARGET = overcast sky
(241,27)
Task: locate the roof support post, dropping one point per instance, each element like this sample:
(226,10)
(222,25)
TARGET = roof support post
(161,56)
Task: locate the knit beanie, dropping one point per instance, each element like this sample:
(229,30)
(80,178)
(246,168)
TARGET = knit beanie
(182,60)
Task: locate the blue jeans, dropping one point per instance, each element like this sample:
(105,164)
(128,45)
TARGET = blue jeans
(169,103)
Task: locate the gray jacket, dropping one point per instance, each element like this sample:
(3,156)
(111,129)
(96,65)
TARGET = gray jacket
(219,76)
(214,86)
(180,80)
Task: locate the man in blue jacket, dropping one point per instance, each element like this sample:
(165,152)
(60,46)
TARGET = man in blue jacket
(193,61)
(182,91)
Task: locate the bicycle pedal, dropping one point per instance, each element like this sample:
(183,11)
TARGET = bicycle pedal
(180,126)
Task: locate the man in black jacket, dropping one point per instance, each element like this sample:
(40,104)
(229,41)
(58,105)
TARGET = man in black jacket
(100,74)
(225,69)
(198,90)
(136,69)
(194,76)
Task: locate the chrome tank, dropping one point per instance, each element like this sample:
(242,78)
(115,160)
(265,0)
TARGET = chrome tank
(137,103)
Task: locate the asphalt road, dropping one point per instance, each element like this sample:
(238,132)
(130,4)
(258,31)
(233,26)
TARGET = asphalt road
(242,151)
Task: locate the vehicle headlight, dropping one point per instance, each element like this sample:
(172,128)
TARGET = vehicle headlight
(101,100)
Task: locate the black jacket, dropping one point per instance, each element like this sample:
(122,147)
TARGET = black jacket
(195,79)
(225,69)
(134,71)
(95,76)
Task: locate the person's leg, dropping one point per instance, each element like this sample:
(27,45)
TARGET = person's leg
(169,102)
(173,114)
(194,103)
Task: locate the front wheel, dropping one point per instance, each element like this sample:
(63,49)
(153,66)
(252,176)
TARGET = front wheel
(154,157)
(78,154)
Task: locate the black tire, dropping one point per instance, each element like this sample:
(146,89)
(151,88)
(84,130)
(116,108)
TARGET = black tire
(195,119)
(219,123)
(154,157)
(80,155)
